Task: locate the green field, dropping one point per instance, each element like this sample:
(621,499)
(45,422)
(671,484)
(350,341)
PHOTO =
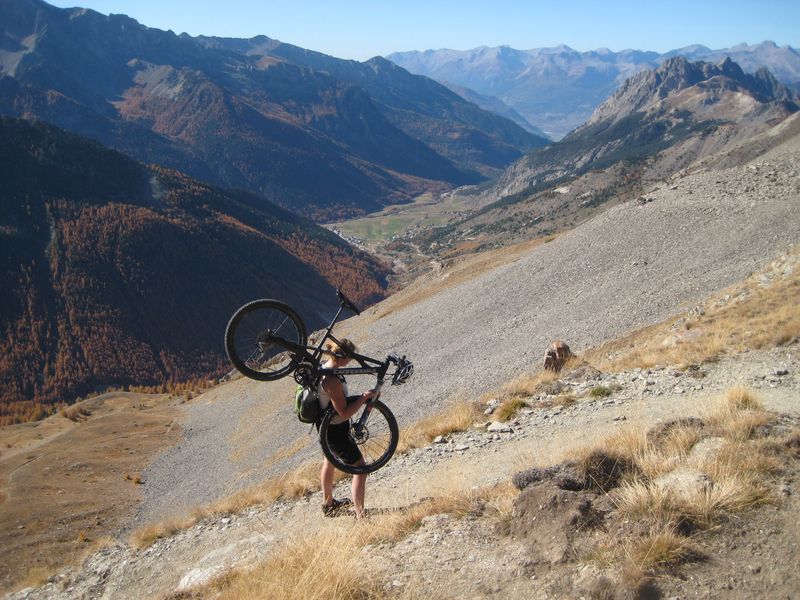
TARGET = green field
(397,219)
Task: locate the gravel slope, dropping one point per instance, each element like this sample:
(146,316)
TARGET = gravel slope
(633,265)
(467,557)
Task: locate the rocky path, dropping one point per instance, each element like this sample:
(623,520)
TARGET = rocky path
(467,559)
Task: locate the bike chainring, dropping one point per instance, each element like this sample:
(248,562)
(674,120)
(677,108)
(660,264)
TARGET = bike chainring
(304,374)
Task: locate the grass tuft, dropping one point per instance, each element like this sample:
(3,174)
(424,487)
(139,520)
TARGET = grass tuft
(459,416)
(509,409)
(600,391)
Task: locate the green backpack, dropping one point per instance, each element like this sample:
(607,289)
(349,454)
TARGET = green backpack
(306,404)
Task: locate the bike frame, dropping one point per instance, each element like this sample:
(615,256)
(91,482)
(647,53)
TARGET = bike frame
(314,354)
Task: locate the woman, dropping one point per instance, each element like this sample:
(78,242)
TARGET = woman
(333,390)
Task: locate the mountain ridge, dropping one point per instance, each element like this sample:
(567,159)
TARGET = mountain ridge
(319,144)
(557,89)
(657,123)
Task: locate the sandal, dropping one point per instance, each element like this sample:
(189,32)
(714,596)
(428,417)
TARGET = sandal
(332,510)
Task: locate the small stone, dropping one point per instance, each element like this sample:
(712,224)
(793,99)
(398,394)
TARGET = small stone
(439,439)
(781,372)
(496,427)
(461,448)
(621,418)
(225,520)
(755,569)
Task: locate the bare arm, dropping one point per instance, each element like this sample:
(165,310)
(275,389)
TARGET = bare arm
(335,390)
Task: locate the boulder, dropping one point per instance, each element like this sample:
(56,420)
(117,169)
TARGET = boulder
(556,355)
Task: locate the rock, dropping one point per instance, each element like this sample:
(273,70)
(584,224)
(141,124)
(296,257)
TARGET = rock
(582,374)
(706,450)
(556,355)
(197,577)
(781,372)
(439,439)
(496,427)
(684,482)
(554,388)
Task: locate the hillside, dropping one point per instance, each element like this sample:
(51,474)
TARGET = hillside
(557,89)
(476,331)
(632,264)
(315,134)
(114,273)
(655,125)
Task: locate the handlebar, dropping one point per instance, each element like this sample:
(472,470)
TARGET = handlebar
(347,303)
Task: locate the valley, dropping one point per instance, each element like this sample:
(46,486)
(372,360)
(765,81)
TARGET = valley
(478,205)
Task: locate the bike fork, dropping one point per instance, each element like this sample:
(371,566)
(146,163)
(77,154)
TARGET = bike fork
(359,425)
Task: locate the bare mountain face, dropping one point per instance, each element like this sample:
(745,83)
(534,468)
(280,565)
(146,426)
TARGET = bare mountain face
(657,123)
(113,273)
(557,89)
(321,136)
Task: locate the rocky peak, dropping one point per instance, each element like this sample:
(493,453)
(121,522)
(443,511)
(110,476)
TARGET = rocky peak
(646,90)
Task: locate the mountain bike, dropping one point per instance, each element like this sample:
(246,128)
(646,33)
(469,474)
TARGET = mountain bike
(267,340)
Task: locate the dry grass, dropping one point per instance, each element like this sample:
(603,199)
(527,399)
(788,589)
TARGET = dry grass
(660,549)
(563,400)
(739,462)
(146,535)
(513,395)
(738,470)
(76,413)
(741,398)
(748,315)
(460,415)
(326,566)
(738,416)
(508,409)
(134,478)
(331,564)
(297,483)
(740,465)
(528,384)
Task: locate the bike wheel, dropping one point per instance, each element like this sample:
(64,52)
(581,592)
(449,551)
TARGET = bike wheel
(247,339)
(376,441)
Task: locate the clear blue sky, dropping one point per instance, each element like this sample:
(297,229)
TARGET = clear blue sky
(360,29)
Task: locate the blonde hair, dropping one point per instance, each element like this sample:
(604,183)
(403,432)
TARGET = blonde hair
(345,345)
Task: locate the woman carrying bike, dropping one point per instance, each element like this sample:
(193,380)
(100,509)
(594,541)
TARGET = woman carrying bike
(333,390)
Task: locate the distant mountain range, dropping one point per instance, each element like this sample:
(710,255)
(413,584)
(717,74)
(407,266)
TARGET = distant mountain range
(322,136)
(557,89)
(658,122)
(115,273)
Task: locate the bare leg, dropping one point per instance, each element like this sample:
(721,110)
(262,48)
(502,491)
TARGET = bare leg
(358,487)
(326,480)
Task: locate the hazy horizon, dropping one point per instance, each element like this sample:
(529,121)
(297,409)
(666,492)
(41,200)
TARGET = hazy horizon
(360,29)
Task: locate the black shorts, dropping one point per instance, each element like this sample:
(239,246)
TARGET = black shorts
(341,445)
(339,440)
